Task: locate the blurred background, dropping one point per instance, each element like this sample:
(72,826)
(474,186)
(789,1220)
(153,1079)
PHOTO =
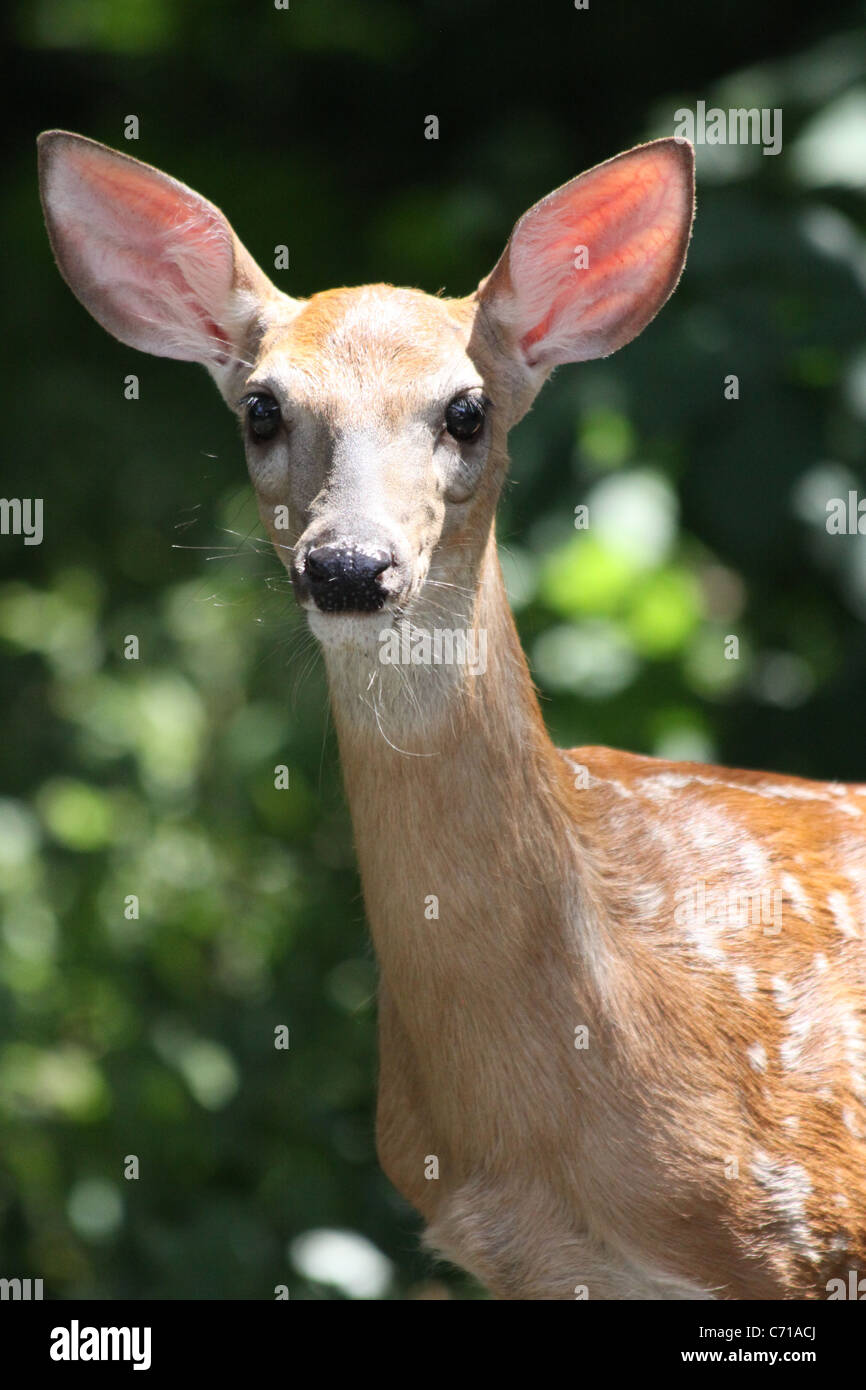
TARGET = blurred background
(153,1036)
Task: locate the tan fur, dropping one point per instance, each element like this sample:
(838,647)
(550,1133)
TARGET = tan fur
(562,1167)
(710,1138)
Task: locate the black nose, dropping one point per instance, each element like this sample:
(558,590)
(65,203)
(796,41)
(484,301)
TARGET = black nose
(344,580)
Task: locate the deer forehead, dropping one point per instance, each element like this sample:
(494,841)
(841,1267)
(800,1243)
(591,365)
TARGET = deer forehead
(377,351)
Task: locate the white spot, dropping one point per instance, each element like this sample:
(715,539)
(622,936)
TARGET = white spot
(619,788)
(661,784)
(746,979)
(649,900)
(665,782)
(855,1051)
(757,1055)
(787,791)
(845,923)
(704,939)
(793,889)
(755,860)
(787,1188)
(791,1051)
(802,1015)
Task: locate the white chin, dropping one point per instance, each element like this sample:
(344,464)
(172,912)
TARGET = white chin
(359,630)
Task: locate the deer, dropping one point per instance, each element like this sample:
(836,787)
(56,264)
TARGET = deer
(599,1077)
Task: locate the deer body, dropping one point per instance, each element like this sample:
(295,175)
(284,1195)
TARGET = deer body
(626,1095)
(726,1065)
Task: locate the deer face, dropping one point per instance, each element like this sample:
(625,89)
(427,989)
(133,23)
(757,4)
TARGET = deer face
(375,431)
(375,419)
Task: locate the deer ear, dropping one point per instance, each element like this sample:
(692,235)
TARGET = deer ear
(158,266)
(587,268)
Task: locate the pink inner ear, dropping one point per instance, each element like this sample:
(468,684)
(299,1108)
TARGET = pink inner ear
(161,255)
(632,215)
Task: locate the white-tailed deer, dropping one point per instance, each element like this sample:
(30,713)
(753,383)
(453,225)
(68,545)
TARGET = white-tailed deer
(600,1074)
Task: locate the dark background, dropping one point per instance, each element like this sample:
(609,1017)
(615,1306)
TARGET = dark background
(155,1037)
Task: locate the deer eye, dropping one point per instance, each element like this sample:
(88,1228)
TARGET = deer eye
(263,415)
(464,417)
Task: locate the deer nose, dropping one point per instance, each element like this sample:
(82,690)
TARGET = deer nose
(344,579)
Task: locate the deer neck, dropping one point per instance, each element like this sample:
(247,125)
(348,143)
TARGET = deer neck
(459,807)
